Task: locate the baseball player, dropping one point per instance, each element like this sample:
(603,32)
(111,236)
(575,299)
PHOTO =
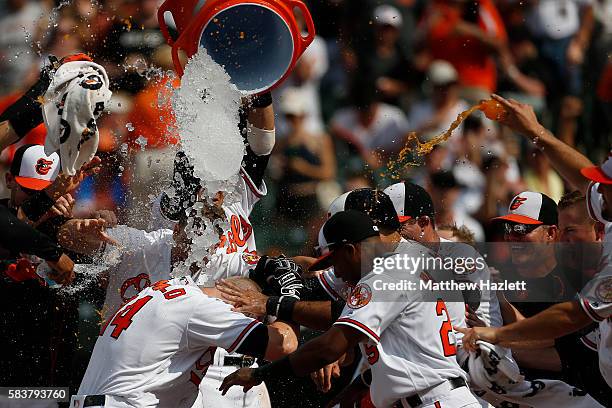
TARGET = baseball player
(157,348)
(404,338)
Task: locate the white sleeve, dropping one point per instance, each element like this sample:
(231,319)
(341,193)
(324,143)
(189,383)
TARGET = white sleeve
(334,286)
(369,309)
(213,322)
(594,203)
(132,240)
(596,297)
(223,265)
(251,194)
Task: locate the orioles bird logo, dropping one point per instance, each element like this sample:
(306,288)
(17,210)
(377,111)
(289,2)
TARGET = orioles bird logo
(518,201)
(43,166)
(360,296)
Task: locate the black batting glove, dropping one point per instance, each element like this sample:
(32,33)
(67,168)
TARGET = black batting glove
(26,113)
(279,276)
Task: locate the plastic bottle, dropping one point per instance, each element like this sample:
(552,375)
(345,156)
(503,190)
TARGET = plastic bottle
(493,109)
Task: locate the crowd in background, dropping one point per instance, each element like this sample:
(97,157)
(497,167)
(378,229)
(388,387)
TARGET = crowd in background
(375,71)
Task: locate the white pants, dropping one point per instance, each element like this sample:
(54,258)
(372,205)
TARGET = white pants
(209,395)
(458,398)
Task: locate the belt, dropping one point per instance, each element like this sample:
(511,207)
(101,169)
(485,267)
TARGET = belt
(94,400)
(415,400)
(243,361)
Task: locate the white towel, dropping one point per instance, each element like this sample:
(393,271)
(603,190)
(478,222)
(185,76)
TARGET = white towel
(76,97)
(493,370)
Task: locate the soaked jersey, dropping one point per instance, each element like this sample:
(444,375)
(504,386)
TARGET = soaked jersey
(411,345)
(155,350)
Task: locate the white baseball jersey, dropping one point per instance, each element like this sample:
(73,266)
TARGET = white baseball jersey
(411,344)
(240,237)
(596,300)
(488,310)
(155,350)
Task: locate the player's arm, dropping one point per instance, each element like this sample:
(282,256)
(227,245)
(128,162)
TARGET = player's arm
(260,136)
(567,161)
(315,314)
(315,354)
(271,342)
(556,321)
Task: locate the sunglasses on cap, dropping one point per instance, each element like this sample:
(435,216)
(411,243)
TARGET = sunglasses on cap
(519,229)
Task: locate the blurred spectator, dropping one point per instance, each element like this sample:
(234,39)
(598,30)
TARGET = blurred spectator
(390,66)
(540,176)
(563,29)
(306,76)
(468,34)
(64,39)
(374,129)
(444,191)
(18,30)
(434,115)
(133,37)
(309,161)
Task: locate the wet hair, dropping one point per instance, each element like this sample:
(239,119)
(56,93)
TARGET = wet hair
(574,198)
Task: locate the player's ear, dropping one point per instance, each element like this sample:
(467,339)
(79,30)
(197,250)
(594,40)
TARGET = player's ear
(552,233)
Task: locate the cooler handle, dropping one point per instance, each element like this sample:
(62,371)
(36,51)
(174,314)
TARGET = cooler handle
(304,41)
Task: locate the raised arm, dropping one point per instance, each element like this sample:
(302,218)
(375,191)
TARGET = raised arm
(567,161)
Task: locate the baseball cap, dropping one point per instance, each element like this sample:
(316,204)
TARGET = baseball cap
(375,203)
(600,174)
(410,201)
(442,72)
(388,15)
(532,208)
(344,227)
(33,169)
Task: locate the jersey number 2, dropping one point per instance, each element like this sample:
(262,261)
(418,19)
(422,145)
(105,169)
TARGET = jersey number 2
(445,330)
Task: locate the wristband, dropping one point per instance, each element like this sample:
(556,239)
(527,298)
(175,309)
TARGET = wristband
(279,369)
(37,205)
(272,305)
(262,101)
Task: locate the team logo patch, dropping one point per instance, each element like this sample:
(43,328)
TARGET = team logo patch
(603,291)
(250,259)
(360,296)
(518,201)
(43,166)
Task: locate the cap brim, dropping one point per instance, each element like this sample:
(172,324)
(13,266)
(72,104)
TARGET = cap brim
(404,218)
(32,183)
(520,219)
(322,263)
(596,174)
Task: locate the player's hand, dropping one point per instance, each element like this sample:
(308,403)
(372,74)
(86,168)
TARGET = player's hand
(107,215)
(520,117)
(472,319)
(243,377)
(63,207)
(84,236)
(323,376)
(471,336)
(63,270)
(65,183)
(244,301)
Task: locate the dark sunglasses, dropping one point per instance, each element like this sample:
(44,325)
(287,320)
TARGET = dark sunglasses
(519,229)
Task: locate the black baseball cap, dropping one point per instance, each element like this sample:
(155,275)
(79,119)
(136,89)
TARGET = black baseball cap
(344,227)
(532,208)
(375,203)
(410,201)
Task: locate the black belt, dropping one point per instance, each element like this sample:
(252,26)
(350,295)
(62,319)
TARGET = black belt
(94,400)
(415,401)
(244,361)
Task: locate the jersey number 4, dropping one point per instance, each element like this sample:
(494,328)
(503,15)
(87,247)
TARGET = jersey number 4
(123,318)
(446,330)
